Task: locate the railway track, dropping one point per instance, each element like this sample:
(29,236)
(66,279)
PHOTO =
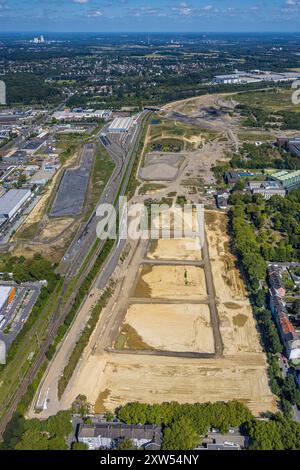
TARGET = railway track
(62,310)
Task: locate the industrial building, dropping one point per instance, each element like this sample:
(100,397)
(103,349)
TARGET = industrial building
(43,176)
(288,179)
(12,202)
(6,295)
(294,147)
(121,125)
(255,76)
(79,114)
(267,189)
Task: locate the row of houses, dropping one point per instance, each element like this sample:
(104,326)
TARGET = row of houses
(104,435)
(287,332)
(109,435)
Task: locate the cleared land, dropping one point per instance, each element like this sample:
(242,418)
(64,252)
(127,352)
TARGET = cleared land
(174,136)
(110,379)
(237,324)
(173,327)
(171,282)
(161,167)
(188,249)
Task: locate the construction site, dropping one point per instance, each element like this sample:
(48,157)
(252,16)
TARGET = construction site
(179,325)
(191,344)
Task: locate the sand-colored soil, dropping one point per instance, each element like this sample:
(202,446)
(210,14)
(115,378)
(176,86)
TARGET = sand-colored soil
(55,228)
(188,249)
(110,380)
(127,378)
(171,282)
(192,106)
(237,324)
(180,328)
(183,221)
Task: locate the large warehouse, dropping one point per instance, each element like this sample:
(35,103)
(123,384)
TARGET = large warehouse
(289,179)
(12,201)
(120,125)
(6,295)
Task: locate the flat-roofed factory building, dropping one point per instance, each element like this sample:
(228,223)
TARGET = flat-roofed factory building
(121,125)
(289,179)
(12,202)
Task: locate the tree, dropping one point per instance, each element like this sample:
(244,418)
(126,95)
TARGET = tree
(296,308)
(109,417)
(79,446)
(181,435)
(126,444)
(260,298)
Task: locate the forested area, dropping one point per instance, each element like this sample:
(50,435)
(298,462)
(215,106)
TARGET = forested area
(262,157)
(28,270)
(50,434)
(265,230)
(185,425)
(260,118)
(268,231)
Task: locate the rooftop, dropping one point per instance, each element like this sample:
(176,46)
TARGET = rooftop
(120,431)
(10,199)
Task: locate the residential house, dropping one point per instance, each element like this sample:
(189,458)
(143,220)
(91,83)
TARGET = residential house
(109,435)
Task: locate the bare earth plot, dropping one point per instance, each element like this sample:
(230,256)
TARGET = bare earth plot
(118,379)
(110,379)
(181,328)
(238,327)
(176,249)
(171,282)
(161,166)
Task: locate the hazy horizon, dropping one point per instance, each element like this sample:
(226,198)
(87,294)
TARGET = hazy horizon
(135,16)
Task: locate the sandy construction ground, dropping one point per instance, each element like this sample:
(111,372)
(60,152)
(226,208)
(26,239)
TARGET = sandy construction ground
(188,249)
(118,379)
(110,379)
(180,328)
(192,106)
(237,324)
(171,282)
(55,228)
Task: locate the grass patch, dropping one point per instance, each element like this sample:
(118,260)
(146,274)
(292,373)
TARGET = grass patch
(130,339)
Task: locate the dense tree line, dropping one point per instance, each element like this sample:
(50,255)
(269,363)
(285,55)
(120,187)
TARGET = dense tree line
(185,424)
(272,227)
(34,434)
(28,270)
(268,231)
(262,157)
(279,433)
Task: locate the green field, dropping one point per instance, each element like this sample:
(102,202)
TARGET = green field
(176,136)
(270,100)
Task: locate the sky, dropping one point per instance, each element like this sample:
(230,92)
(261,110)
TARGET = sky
(150,15)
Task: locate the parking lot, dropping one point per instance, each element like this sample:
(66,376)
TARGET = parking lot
(18,311)
(72,189)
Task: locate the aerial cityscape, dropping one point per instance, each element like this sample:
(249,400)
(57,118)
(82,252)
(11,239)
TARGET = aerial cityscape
(149,227)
